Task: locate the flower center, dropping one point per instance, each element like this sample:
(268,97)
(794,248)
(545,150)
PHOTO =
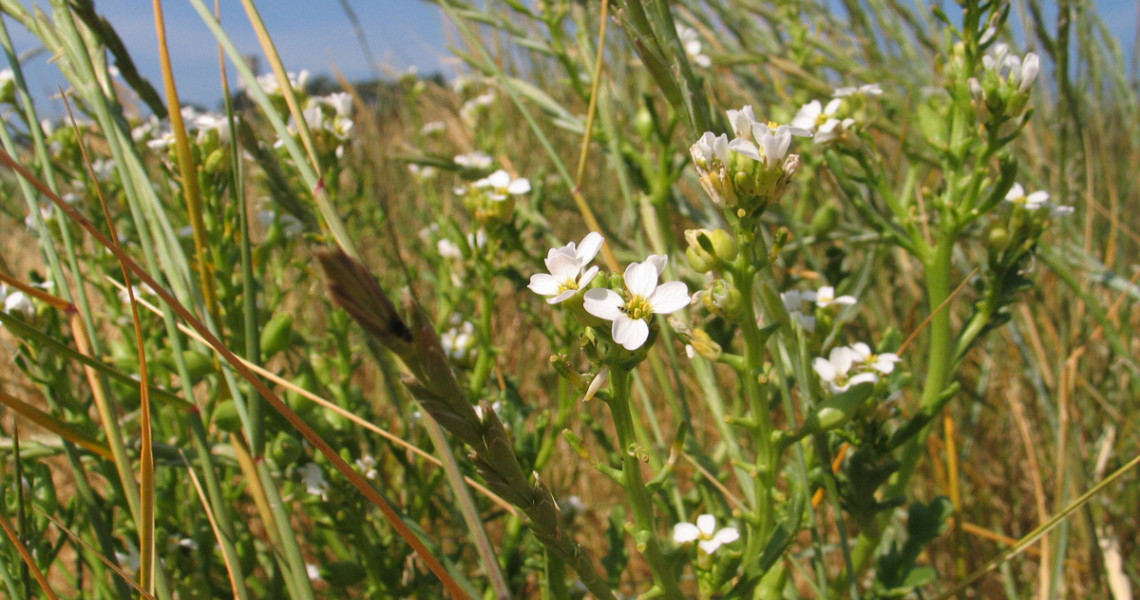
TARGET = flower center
(568,285)
(638,308)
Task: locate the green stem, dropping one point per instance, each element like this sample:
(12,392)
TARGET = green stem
(645,529)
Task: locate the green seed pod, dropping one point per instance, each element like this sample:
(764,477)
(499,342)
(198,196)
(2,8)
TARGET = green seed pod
(998,239)
(44,491)
(343,573)
(643,123)
(198,364)
(216,162)
(836,410)
(699,260)
(226,416)
(277,334)
(825,220)
(724,245)
(298,402)
(285,449)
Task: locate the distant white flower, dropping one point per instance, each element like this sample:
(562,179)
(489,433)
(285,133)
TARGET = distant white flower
(268,82)
(313,571)
(710,538)
(645,298)
(871,89)
(1032,201)
(422,172)
(500,184)
(432,127)
(314,479)
(367,466)
(474,160)
(883,363)
(691,40)
(825,297)
(822,120)
(458,341)
(17,302)
(129,560)
(496,407)
(565,265)
(798,308)
(448,249)
(142,289)
(836,369)
(1058,212)
(711,159)
(471,109)
(341,103)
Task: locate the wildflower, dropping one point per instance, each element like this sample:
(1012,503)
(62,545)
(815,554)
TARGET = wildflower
(565,266)
(459,341)
(691,41)
(496,407)
(870,89)
(129,560)
(796,305)
(142,289)
(314,480)
(17,302)
(822,120)
(422,172)
(448,249)
(711,158)
(883,363)
(1057,212)
(825,297)
(1032,201)
(474,160)
(705,534)
(367,466)
(474,107)
(8,83)
(432,127)
(313,572)
(500,184)
(836,369)
(268,82)
(1020,73)
(645,298)
(340,102)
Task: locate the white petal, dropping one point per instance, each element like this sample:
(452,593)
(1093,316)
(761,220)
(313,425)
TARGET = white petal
(707,524)
(709,546)
(824,369)
(1015,192)
(544,284)
(745,148)
(604,304)
(630,333)
(518,186)
(727,535)
(862,351)
(658,261)
(564,267)
(862,378)
(587,277)
(564,296)
(589,247)
(641,279)
(842,358)
(684,533)
(669,297)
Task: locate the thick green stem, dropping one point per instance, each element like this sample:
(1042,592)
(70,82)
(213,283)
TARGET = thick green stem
(641,505)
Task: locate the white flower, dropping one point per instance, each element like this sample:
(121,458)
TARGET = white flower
(825,297)
(432,127)
(769,143)
(448,249)
(711,158)
(500,184)
(458,341)
(471,109)
(142,289)
(422,172)
(1032,201)
(741,121)
(268,82)
(313,571)
(691,40)
(129,560)
(795,302)
(496,407)
(835,369)
(314,480)
(705,530)
(1057,212)
(474,160)
(341,102)
(367,466)
(18,302)
(565,265)
(822,120)
(646,298)
(871,89)
(883,363)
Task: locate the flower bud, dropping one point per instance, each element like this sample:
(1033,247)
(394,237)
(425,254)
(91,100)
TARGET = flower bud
(704,345)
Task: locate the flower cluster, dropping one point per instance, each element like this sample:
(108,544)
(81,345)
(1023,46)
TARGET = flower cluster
(1002,92)
(1034,201)
(851,365)
(751,170)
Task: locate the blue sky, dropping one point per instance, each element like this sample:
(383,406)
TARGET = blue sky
(401,34)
